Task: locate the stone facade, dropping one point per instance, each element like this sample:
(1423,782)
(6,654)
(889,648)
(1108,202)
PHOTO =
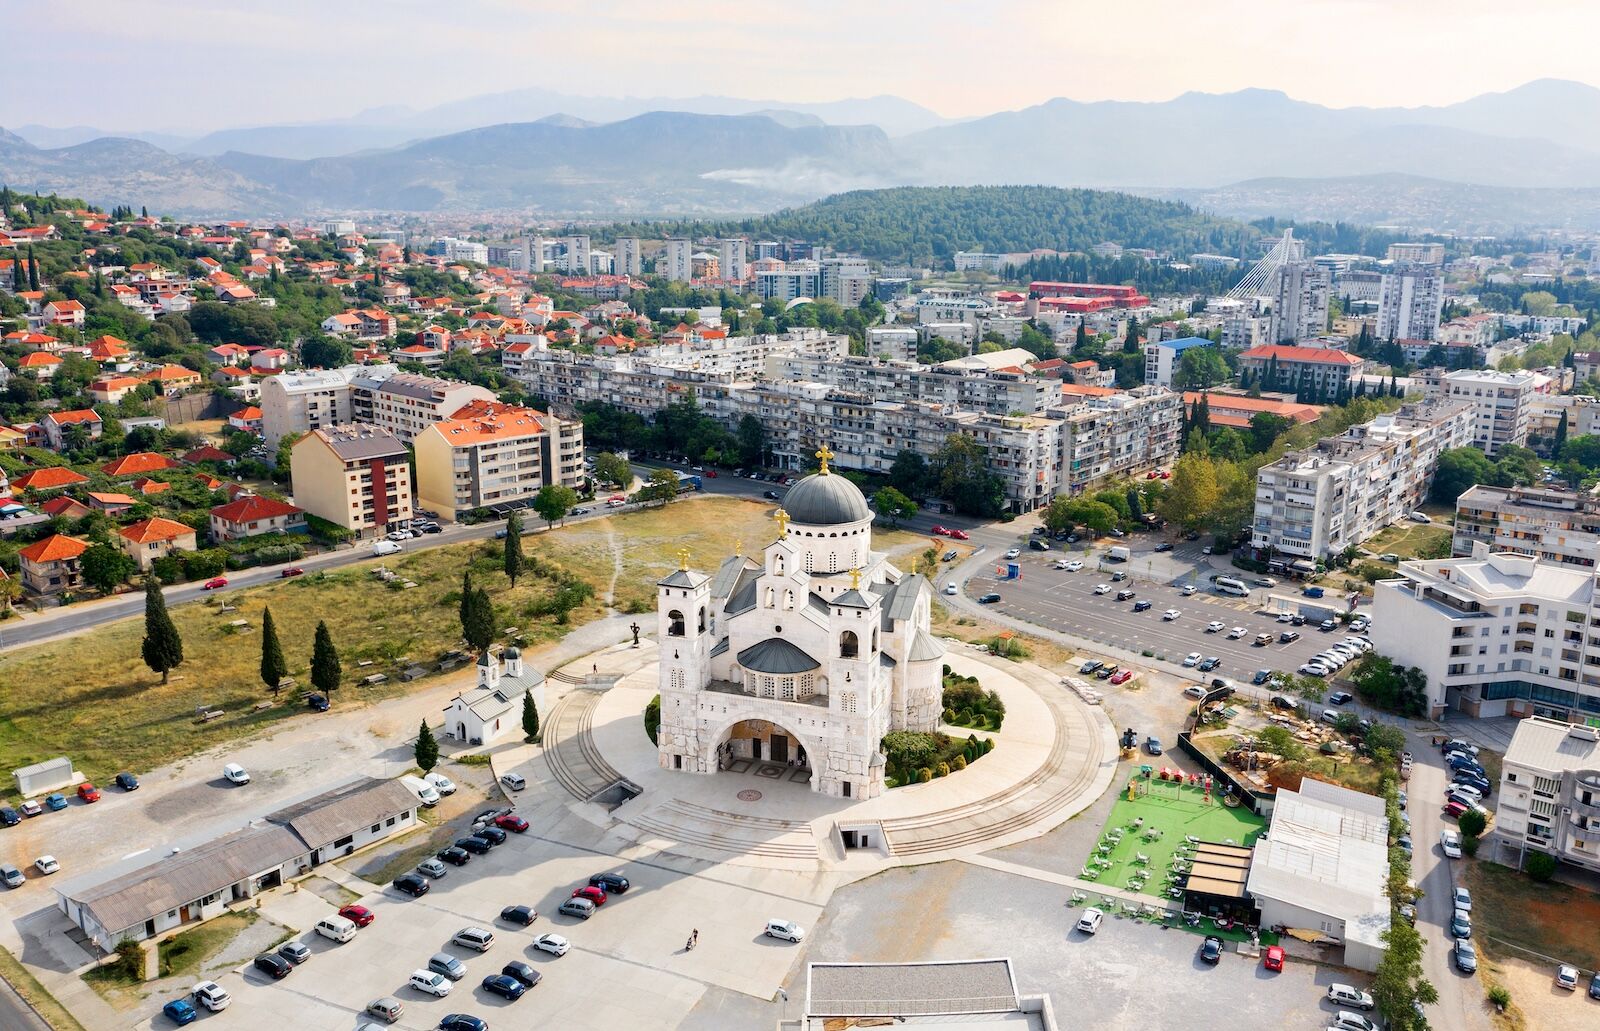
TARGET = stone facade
(807,654)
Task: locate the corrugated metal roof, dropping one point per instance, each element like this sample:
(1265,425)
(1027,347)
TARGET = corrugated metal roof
(328,817)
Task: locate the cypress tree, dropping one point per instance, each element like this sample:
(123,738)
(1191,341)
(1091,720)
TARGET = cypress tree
(464,610)
(273,667)
(325,669)
(479,628)
(1561,437)
(513,555)
(33,269)
(530,717)
(426,751)
(163,648)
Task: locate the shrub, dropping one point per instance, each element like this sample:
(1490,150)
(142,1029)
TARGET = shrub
(924,775)
(909,748)
(942,770)
(949,715)
(1499,997)
(958,763)
(1469,844)
(1471,823)
(1541,866)
(652,718)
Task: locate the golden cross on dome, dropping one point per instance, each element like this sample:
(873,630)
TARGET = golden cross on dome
(783,523)
(824,456)
(683,558)
(738,549)
(855,578)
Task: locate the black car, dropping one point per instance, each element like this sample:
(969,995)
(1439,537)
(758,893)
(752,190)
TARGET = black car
(505,986)
(523,915)
(1163,546)
(9,816)
(1107,672)
(1211,949)
(1288,637)
(1089,666)
(1209,663)
(1281,702)
(1141,606)
(126,781)
(610,883)
(493,835)
(432,528)
(317,702)
(491,815)
(522,972)
(462,1022)
(412,884)
(1340,697)
(455,856)
(770,495)
(275,967)
(1124,594)
(1118,576)
(474,844)
(989,599)
(1261,676)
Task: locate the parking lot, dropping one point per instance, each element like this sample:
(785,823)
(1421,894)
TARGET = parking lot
(1066,601)
(635,939)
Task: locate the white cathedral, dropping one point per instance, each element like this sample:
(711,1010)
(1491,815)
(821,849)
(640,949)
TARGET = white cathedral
(805,655)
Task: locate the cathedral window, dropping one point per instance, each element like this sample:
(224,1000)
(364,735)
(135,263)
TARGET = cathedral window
(788,599)
(788,689)
(674,623)
(677,680)
(874,639)
(702,619)
(848,703)
(848,645)
(807,686)
(769,687)
(833,561)
(772,598)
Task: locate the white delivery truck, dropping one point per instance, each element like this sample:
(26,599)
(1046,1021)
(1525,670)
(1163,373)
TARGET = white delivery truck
(1119,553)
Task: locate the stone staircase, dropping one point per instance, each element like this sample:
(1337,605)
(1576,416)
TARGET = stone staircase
(696,825)
(570,752)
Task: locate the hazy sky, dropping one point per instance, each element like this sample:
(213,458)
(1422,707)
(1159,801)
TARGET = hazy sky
(203,64)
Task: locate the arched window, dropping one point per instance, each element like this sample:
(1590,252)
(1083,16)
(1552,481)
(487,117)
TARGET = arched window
(874,639)
(772,597)
(848,645)
(833,561)
(777,565)
(788,599)
(674,623)
(702,619)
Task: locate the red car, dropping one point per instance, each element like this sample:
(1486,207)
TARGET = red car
(88,792)
(1122,676)
(590,892)
(216,583)
(1165,475)
(361,916)
(959,535)
(1273,960)
(711,474)
(1455,809)
(511,822)
(292,571)
(941,531)
(1152,475)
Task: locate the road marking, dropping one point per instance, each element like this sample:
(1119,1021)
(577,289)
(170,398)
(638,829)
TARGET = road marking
(141,852)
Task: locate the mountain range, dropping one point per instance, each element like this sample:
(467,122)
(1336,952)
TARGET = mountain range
(1499,159)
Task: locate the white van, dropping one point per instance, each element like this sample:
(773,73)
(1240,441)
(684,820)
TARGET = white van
(381,548)
(427,793)
(1229,585)
(336,928)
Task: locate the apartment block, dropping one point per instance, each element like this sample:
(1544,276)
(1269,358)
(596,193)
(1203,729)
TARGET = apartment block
(379,395)
(495,456)
(1409,301)
(677,261)
(1323,371)
(1496,634)
(1118,435)
(1550,791)
(356,476)
(975,390)
(1161,358)
(1300,302)
(733,259)
(627,259)
(406,404)
(1541,522)
(1417,253)
(1314,503)
(1502,405)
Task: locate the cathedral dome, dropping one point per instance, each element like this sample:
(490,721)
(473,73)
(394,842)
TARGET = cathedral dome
(826,499)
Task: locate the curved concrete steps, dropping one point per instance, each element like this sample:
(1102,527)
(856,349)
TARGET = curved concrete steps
(570,752)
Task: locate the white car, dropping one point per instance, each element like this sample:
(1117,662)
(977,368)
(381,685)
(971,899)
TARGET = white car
(1102,588)
(787,930)
(1014,553)
(211,995)
(1170,615)
(950,589)
(1059,563)
(1419,517)
(1346,995)
(1214,626)
(442,784)
(46,865)
(1192,659)
(1450,844)
(399,535)
(1073,566)
(1187,589)
(1090,922)
(1462,899)
(554,944)
(1236,633)
(1194,690)
(233,773)
(1465,791)
(1313,669)
(514,781)
(431,982)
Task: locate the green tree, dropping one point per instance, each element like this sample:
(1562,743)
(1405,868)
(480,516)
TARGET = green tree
(1200,368)
(662,487)
(908,473)
(752,437)
(1192,492)
(426,751)
(239,444)
(1471,823)
(464,603)
(1265,428)
(273,666)
(612,468)
(1461,468)
(478,624)
(512,560)
(1560,441)
(553,502)
(105,567)
(163,648)
(325,352)
(1541,866)
(530,718)
(893,505)
(965,479)
(325,668)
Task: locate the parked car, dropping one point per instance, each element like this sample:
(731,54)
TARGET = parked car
(295,952)
(1461,925)
(1073,566)
(274,966)
(440,783)
(12,877)
(1273,958)
(989,599)
(1465,956)
(1567,977)
(475,938)
(46,865)
(413,884)
(317,702)
(462,1022)
(1122,676)
(1089,666)
(55,802)
(514,781)
(553,944)
(590,892)
(610,883)
(1107,672)
(180,1012)
(785,930)
(1192,659)
(1211,949)
(455,856)
(583,909)
(1345,995)
(361,916)
(1152,745)
(1282,702)
(1209,663)
(386,1008)
(522,972)
(1340,697)
(511,822)
(126,781)
(520,915)
(1091,920)
(31,807)
(505,986)
(1461,898)
(1194,691)
(1164,546)
(491,833)
(430,982)
(9,816)
(1450,844)
(211,995)
(235,774)
(448,965)
(474,844)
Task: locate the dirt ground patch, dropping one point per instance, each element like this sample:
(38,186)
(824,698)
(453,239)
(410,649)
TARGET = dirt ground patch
(441,826)
(1409,540)
(1543,1006)
(1548,919)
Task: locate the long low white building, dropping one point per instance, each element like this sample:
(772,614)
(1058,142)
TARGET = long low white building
(1496,634)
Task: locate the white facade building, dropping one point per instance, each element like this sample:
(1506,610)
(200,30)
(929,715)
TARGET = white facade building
(492,711)
(1300,302)
(1550,791)
(575,259)
(677,261)
(806,655)
(1409,301)
(732,259)
(628,260)
(1502,403)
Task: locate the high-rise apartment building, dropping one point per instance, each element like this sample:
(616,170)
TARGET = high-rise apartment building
(677,262)
(1300,302)
(1409,301)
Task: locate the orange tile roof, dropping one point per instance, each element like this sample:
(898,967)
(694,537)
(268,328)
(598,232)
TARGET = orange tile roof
(145,485)
(56,548)
(37,360)
(483,421)
(1084,390)
(49,478)
(143,462)
(76,415)
(1286,353)
(247,414)
(251,508)
(156,528)
(67,508)
(111,499)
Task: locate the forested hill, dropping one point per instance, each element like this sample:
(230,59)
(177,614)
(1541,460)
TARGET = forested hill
(923,224)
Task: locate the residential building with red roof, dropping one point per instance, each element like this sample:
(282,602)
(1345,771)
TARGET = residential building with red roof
(146,486)
(57,425)
(112,389)
(1321,370)
(39,364)
(253,516)
(1236,410)
(155,538)
(55,477)
(138,464)
(110,503)
(208,453)
(170,378)
(107,349)
(246,420)
(507,454)
(65,313)
(65,507)
(51,566)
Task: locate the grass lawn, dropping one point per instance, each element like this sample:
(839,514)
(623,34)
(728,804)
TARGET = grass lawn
(91,696)
(1177,812)
(1550,919)
(1408,539)
(188,952)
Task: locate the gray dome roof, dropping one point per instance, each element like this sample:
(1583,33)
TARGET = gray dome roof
(826,499)
(513,653)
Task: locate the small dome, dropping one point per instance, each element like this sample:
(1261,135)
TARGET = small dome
(513,653)
(826,499)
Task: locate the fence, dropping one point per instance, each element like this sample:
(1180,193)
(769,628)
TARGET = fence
(1259,802)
